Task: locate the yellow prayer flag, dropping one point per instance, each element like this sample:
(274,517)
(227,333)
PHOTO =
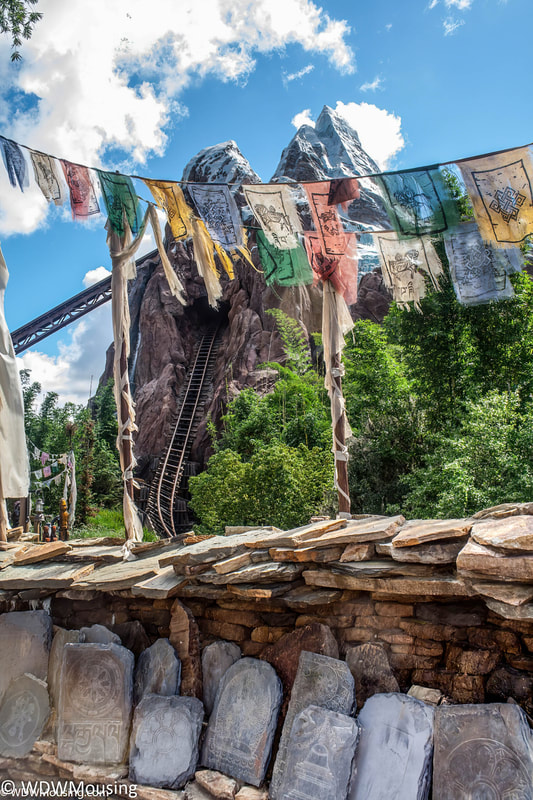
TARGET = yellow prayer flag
(170,198)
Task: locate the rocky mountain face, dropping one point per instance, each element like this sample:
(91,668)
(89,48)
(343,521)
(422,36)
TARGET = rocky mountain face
(165,334)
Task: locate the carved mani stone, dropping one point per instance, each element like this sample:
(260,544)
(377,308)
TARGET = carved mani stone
(319,760)
(393,758)
(55,662)
(24,711)
(95,703)
(482,751)
(371,670)
(216,659)
(164,740)
(242,725)
(158,671)
(320,681)
(25,638)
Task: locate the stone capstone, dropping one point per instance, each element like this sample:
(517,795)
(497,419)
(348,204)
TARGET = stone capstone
(320,753)
(158,671)
(95,703)
(320,681)
(241,728)
(164,740)
(23,714)
(216,659)
(394,755)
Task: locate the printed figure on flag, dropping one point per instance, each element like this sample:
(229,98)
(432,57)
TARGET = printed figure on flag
(407,265)
(275,210)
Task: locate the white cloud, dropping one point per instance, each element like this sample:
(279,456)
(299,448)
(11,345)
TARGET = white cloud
(87,83)
(303,118)
(373,85)
(80,361)
(388,26)
(379,130)
(95,276)
(461,5)
(294,76)
(450,25)
(432,4)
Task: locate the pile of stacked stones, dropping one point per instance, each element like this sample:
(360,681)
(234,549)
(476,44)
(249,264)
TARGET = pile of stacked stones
(108,711)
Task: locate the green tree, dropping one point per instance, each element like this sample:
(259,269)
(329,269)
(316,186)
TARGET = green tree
(18,18)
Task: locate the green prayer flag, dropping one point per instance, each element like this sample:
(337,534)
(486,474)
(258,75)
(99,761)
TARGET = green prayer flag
(283,267)
(418,202)
(120,198)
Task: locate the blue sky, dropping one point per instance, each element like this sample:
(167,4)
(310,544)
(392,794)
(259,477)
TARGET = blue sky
(422,81)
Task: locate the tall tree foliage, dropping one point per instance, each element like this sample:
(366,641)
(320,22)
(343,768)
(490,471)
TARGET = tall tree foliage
(18,18)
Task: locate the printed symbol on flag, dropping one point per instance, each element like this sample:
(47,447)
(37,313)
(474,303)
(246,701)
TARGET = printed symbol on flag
(404,267)
(269,218)
(477,260)
(508,203)
(417,202)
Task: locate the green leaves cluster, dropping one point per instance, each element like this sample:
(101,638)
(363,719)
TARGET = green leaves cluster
(18,18)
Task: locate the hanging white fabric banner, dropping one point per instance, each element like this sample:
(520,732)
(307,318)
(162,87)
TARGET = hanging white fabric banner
(406,264)
(14,462)
(275,210)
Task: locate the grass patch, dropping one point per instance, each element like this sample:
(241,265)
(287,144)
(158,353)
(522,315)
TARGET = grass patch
(108,522)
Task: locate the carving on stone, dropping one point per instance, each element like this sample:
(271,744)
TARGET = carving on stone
(24,711)
(503,776)
(95,703)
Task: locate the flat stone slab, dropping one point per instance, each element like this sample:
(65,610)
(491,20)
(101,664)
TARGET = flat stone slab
(320,681)
(371,671)
(432,553)
(23,714)
(217,658)
(114,577)
(302,598)
(241,728)
(158,671)
(164,740)
(393,759)
(513,533)
(218,548)
(41,552)
(433,586)
(98,634)
(361,531)
(320,754)
(482,751)
(421,531)
(95,703)
(25,639)
(478,560)
(43,576)
(507,611)
(255,573)
(165,584)
(515,595)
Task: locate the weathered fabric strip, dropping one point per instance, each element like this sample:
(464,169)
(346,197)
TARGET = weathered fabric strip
(14,463)
(275,210)
(342,191)
(326,219)
(219,211)
(82,195)
(47,177)
(169,197)
(283,267)
(15,163)
(418,202)
(500,188)
(480,272)
(120,200)
(341,271)
(407,266)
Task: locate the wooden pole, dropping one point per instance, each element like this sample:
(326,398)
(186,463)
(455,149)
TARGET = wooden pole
(126,443)
(3,517)
(341,464)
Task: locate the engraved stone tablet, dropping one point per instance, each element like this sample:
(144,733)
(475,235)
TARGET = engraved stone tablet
(482,751)
(25,638)
(55,662)
(164,740)
(95,703)
(393,758)
(320,754)
(369,665)
(242,725)
(158,671)
(320,681)
(98,634)
(216,659)
(23,714)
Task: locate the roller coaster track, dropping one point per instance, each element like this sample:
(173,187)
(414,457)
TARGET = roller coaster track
(167,511)
(67,312)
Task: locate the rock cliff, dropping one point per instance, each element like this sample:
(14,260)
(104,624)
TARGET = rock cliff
(165,334)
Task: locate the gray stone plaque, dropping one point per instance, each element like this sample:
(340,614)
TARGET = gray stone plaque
(393,759)
(158,671)
(25,638)
(482,751)
(241,728)
(25,709)
(319,759)
(98,634)
(216,659)
(164,740)
(95,703)
(55,662)
(320,681)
